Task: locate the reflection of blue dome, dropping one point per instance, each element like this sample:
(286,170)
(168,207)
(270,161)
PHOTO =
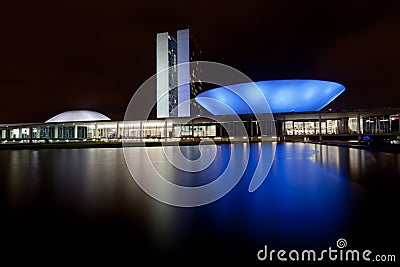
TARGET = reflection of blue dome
(281,95)
(78,115)
(366,138)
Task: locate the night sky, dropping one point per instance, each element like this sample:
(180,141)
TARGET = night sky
(74,54)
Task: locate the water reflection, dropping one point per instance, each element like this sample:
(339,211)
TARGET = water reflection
(300,203)
(313,195)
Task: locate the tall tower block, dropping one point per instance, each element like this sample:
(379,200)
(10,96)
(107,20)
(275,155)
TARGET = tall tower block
(174,100)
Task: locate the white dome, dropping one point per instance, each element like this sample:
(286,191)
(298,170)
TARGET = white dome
(78,115)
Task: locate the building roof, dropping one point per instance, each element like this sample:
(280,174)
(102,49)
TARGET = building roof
(78,115)
(276,96)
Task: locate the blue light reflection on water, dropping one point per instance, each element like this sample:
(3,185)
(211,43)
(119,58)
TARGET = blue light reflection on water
(87,198)
(301,203)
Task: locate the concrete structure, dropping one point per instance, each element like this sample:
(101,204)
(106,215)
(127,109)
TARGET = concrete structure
(167,98)
(281,95)
(78,115)
(295,105)
(172,54)
(300,126)
(183,73)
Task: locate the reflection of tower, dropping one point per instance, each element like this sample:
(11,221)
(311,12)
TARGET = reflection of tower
(173,101)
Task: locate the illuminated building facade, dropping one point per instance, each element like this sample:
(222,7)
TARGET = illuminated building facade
(296,106)
(172,54)
(308,125)
(281,95)
(167,95)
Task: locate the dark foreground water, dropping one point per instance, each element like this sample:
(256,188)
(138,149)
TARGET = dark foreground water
(81,205)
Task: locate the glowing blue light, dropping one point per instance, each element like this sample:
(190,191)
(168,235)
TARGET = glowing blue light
(281,95)
(366,138)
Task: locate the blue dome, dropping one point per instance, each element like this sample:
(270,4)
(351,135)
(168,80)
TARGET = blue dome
(281,95)
(78,115)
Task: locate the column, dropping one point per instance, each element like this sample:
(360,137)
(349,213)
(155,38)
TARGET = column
(343,126)
(314,128)
(126,130)
(369,125)
(140,130)
(56,131)
(118,130)
(284,125)
(76,131)
(193,128)
(165,129)
(326,126)
(96,131)
(30,134)
(359,126)
(293,127)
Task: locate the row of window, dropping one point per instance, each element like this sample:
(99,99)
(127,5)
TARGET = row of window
(63,132)
(236,128)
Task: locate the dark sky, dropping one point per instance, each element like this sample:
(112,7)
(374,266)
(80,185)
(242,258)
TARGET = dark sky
(75,54)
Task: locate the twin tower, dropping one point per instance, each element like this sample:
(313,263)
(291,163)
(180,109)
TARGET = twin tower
(173,100)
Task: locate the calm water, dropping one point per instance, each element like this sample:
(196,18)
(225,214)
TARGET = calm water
(72,204)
